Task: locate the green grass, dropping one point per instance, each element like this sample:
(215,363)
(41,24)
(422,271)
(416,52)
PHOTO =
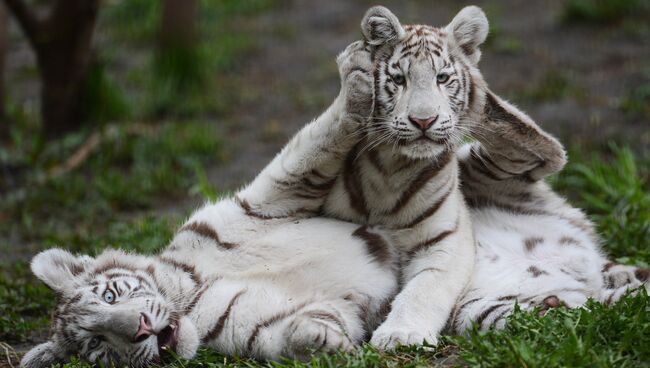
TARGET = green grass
(132,167)
(597,336)
(25,304)
(613,188)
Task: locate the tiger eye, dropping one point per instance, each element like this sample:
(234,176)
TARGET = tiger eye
(94,342)
(399,79)
(109,296)
(442,78)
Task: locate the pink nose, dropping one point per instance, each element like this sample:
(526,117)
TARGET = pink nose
(144,330)
(423,124)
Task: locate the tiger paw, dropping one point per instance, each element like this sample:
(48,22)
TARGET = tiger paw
(355,68)
(308,334)
(385,338)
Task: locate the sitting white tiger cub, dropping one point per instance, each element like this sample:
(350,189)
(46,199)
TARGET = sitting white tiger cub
(260,284)
(533,248)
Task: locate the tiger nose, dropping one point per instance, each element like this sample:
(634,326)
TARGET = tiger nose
(423,124)
(144,330)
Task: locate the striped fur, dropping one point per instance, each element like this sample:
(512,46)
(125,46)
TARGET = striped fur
(389,172)
(534,249)
(404,176)
(290,287)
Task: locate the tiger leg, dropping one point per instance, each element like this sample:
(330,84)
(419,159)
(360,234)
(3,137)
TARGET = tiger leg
(619,279)
(511,145)
(486,312)
(260,320)
(492,312)
(302,174)
(306,328)
(325,327)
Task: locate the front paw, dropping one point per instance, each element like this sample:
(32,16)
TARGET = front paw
(355,69)
(387,338)
(187,339)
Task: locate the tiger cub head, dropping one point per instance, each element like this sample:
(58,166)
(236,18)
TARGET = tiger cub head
(426,79)
(110,310)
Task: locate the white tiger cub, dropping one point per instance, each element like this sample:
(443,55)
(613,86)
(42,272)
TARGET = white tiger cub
(263,281)
(534,249)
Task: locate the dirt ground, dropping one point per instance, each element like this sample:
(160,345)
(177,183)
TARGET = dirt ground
(295,73)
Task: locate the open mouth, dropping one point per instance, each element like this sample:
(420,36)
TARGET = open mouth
(167,339)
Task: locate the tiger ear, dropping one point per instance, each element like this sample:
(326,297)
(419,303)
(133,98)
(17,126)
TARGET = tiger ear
(469,29)
(41,356)
(380,26)
(58,268)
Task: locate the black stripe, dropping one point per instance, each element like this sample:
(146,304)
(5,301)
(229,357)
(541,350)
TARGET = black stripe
(205,230)
(377,246)
(189,269)
(481,317)
(221,322)
(269,322)
(429,211)
(352,184)
(421,180)
(430,242)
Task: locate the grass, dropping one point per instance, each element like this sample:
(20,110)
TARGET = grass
(137,164)
(613,188)
(596,336)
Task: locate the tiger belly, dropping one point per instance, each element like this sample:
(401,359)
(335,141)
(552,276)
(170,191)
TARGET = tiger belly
(530,255)
(530,260)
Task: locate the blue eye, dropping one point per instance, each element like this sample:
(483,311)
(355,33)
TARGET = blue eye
(442,78)
(94,342)
(109,296)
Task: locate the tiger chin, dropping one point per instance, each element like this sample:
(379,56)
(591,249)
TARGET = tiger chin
(111,310)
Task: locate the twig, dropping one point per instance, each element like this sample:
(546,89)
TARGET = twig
(93,142)
(79,157)
(9,353)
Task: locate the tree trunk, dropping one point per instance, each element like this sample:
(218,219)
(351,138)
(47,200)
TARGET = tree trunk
(64,61)
(177,29)
(4,43)
(62,43)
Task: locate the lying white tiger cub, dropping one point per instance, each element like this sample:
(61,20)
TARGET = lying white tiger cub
(242,282)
